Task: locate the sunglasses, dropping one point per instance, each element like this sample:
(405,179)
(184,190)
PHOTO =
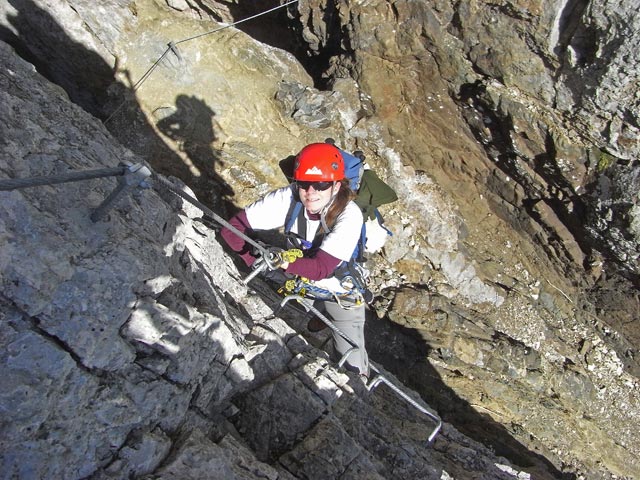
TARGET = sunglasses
(317,186)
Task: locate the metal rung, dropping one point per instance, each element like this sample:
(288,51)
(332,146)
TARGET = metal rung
(134,176)
(308,306)
(346,355)
(379,378)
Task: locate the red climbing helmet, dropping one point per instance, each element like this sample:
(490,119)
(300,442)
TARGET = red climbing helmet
(319,162)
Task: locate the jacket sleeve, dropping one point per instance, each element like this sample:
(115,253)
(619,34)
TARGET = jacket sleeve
(320,266)
(236,243)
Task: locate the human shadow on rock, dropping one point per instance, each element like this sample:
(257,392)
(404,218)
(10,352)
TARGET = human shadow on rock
(91,83)
(190,126)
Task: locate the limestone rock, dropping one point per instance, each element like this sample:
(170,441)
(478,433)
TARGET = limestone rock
(131,343)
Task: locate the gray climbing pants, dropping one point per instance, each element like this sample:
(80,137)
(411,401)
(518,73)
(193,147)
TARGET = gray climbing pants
(350,322)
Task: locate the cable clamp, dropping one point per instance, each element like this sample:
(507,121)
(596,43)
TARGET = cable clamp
(135,175)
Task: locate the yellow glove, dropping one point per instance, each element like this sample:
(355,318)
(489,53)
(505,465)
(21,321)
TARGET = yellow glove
(291,255)
(282,258)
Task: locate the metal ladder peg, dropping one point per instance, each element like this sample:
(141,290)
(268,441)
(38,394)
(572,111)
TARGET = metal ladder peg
(379,378)
(257,270)
(344,357)
(174,48)
(135,175)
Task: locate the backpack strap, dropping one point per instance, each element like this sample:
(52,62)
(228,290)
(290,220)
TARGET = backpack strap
(381,222)
(358,253)
(294,212)
(298,240)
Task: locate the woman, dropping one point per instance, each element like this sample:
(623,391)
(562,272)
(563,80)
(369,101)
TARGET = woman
(332,224)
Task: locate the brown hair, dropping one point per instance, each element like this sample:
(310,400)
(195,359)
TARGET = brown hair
(342,198)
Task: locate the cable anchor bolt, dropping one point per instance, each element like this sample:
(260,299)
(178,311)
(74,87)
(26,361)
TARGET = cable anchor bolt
(134,176)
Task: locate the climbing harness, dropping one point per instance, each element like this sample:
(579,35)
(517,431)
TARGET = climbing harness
(349,299)
(173,47)
(379,377)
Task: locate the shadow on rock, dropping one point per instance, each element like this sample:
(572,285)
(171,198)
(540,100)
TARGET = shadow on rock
(40,40)
(90,82)
(405,353)
(190,126)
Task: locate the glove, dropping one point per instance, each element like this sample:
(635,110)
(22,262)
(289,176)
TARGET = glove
(282,258)
(291,255)
(276,276)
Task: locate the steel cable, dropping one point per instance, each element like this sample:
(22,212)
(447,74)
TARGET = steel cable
(158,180)
(173,47)
(17,183)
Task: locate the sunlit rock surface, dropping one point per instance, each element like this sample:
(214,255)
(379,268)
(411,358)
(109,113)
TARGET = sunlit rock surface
(132,347)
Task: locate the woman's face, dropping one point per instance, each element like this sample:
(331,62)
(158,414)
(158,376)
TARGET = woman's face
(313,197)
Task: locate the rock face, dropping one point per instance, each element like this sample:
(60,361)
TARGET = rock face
(509,130)
(131,348)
